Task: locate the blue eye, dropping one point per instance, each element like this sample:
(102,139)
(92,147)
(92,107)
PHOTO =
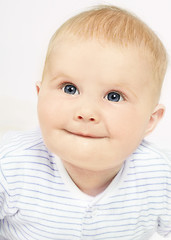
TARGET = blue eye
(70,89)
(114,97)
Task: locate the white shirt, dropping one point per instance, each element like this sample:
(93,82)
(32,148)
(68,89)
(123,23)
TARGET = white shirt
(38,199)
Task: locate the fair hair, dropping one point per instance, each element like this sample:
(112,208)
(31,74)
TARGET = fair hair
(115,25)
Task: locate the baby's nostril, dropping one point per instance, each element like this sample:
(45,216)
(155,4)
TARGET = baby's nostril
(92,119)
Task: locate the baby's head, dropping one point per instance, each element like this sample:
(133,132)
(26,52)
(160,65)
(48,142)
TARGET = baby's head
(112,25)
(101,84)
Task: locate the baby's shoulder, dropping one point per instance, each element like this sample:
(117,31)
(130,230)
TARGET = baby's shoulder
(149,168)
(17,144)
(24,159)
(152,155)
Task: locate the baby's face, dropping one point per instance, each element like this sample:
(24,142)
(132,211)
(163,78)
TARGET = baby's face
(95,103)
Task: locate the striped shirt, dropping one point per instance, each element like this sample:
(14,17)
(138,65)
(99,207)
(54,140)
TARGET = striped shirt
(38,199)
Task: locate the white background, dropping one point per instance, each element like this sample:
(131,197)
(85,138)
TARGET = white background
(25,30)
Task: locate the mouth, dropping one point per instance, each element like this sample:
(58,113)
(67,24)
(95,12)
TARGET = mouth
(83,135)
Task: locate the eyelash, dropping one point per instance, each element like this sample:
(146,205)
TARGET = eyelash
(115,94)
(65,84)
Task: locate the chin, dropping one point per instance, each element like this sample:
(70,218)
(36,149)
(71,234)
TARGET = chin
(85,162)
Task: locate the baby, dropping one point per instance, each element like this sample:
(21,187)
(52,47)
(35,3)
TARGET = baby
(88,173)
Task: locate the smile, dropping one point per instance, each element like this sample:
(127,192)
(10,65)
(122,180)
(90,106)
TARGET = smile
(83,135)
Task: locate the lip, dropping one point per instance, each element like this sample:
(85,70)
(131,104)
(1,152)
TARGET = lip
(84,135)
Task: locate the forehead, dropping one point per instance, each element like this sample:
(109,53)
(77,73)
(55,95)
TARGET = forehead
(100,59)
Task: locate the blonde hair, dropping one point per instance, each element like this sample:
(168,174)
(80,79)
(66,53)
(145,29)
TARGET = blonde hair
(115,25)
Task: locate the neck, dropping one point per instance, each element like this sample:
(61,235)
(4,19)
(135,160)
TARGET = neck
(90,182)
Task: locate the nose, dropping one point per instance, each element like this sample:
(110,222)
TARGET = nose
(91,119)
(85,114)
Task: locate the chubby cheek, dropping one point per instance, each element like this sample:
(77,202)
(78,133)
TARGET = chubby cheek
(128,125)
(49,112)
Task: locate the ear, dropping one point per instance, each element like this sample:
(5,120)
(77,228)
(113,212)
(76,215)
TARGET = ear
(38,85)
(155,117)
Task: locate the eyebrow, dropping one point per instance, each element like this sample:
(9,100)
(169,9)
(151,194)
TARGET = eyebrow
(120,85)
(60,75)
